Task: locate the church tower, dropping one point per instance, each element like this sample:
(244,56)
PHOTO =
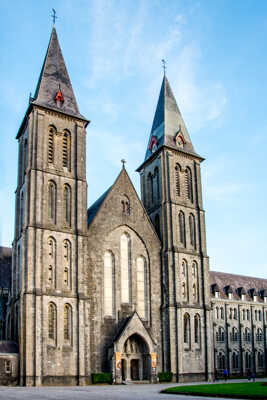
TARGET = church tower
(172,195)
(50,245)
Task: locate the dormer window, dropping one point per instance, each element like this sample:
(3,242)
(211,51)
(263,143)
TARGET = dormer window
(179,140)
(215,290)
(229,292)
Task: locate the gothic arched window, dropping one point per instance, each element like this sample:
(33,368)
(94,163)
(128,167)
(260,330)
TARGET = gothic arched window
(51,144)
(197,328)
(67,204)
(67,322)
(247,360)
(52,321)
(52,201)
(66,157)
(235,313)
(150,189)
(108,283)
(189,184)
(125,204)
(182,228)
(234,335)
(51,279)
(141,286)
(221,361)
(235,360)
(156,178)
(22,210)
(194,292)
(192,228)
(178,180)
(247,335)
(125,267)
(67,263)
(187,329)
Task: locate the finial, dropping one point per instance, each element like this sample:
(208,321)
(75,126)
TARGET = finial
(123,163)
(164,66)
(54,16)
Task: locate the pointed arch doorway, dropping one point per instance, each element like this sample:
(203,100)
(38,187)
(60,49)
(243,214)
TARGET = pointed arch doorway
(136,359)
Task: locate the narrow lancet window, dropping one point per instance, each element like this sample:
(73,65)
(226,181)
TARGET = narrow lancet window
(52,199)
(156,179)
(189,184)
(192,227)
(182,228)
(52,321)
(125,268)
(150,189)
(177,180)
(67,205)
(51,145)
(141,286)
(51,278)
(187,329)
(67,263)
(197,328)
(108,283)
(67,322)
(66,140)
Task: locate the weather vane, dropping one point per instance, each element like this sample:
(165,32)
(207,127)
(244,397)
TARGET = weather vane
(54,16)
(164,65)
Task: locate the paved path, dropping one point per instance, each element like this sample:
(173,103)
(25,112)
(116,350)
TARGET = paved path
(116,392)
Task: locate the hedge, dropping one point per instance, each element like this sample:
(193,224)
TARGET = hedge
(102,377)
(165,376)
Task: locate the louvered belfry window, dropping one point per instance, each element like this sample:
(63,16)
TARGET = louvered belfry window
(51,145)
(66,149)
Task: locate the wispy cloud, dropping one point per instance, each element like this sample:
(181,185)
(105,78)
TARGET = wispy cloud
(121,45)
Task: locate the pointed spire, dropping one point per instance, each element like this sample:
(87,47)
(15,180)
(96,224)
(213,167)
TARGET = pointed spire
(54,89)
(168,126)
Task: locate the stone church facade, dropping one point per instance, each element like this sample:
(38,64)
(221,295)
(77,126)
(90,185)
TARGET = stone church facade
(123,286)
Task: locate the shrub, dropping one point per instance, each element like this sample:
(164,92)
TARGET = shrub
(102,377)
(165,376)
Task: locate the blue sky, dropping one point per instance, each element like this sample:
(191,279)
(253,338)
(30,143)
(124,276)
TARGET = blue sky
(217,61)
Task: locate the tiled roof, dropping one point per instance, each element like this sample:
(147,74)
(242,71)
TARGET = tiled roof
(92,211)
(168,122)
(240,284)
(54,79)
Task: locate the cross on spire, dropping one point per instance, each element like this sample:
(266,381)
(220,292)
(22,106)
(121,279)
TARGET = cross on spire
(54,16)
(164,66)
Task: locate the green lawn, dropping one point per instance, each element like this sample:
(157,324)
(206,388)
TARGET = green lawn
(244,390)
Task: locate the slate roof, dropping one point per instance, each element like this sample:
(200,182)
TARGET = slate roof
(7,346)
(93,210)
(5,267)
(168,122)
(240,284)
(54,75)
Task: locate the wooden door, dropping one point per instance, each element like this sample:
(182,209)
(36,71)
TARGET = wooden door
(135,370)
